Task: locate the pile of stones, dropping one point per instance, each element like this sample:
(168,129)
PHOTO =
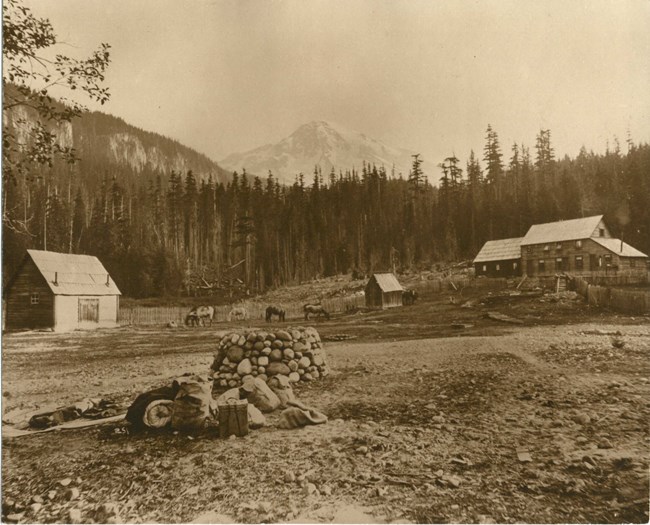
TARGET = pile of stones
(295,352)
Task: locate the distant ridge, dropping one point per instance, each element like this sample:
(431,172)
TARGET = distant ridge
(324,144)
(107,145)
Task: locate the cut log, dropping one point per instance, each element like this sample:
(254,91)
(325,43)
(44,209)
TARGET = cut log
(496,316)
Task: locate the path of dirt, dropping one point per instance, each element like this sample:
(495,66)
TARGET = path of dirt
(420,430)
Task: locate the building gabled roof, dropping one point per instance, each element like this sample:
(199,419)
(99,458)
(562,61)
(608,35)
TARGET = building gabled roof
(570,230)
(387,282)
(619,247)
(500,250)
(70,274)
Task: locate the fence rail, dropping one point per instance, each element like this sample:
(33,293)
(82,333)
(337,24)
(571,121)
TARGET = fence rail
(629,301)
(159,315)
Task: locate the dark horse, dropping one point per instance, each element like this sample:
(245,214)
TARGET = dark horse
(409,297)
(274,310)
(315,309)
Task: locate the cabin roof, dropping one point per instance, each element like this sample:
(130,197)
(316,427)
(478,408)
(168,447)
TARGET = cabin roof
(71,274)
(387,282)
(570,230)
(619,247)
(500,250)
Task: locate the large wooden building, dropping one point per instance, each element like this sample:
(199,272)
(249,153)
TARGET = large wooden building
(500,258)
(60,291)
(383,291)
(578,246)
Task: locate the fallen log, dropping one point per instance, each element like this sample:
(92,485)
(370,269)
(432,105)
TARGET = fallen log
(496,316)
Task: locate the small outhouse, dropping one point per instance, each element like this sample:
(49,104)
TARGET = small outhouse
(383,291)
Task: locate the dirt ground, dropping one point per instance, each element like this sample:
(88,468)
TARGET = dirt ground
(436,414)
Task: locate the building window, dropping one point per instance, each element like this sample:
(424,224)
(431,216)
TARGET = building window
(601,232)
(514,265)
(547,248)
(632,263)
(529,249)
(35,298)
(578,244)
(579,262)
(608,259)
(498,267)
(558,264)
(558,246)
(541,266)
(485,267)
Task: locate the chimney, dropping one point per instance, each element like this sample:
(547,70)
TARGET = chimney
(56,278)
(107,279)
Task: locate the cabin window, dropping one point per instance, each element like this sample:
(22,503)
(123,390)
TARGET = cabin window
(498,267)
(35,298)
(579,262)
(541,266)
(485,267)
(578,244)
(558,264)
(514,265)
(608,259)
(558,246)
(529,249)
(601,232)
(547,248)
(632,263)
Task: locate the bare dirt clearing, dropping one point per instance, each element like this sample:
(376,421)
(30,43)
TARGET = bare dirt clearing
(424,425)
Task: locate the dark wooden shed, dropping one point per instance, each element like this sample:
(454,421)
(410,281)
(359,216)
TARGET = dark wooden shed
(499,258)
(383,291)
(60,291)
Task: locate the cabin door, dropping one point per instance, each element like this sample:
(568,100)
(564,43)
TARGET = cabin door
(89,310)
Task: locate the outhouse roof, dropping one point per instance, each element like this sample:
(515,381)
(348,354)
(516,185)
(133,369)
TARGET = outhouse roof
(570,230)
(388,282)
(71,274)
(500,250)
(619,247)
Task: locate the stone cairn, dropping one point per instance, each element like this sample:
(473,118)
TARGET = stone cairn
(295,352)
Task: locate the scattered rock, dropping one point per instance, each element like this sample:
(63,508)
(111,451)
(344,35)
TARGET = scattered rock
(581,419)
(72,493)
(289,477)
(74,515)
(309,489)
(605,443)
(35,507)
(65,482)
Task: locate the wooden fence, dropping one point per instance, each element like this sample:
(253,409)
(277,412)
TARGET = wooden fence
(160,315)
(629,301)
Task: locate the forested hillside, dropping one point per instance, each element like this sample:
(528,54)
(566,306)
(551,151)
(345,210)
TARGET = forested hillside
(174,233)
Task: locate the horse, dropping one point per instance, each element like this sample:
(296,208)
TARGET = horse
(315,309)
(274,310)
(238,312)
(409,297)
(198,315)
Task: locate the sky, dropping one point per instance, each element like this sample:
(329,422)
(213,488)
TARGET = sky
(225,76)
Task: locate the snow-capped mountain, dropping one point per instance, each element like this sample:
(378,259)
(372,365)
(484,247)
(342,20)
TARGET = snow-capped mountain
(323,144)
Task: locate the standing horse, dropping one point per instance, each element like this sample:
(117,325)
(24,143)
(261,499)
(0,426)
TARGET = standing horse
(274,310)
(198,315)
(315,309)
(238,313)
(409,297)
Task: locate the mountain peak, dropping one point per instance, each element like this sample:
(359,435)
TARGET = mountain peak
(318,143)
